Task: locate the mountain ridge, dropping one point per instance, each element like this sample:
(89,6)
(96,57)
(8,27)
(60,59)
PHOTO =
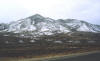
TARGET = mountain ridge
(37,24)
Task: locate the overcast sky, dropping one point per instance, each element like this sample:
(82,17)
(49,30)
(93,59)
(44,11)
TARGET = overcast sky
(88,10)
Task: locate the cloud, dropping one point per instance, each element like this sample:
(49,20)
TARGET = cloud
(87,10)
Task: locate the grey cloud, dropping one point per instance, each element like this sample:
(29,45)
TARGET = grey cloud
(87,10)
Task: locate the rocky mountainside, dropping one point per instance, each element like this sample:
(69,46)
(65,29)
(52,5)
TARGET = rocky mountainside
(40,25)
(3,26)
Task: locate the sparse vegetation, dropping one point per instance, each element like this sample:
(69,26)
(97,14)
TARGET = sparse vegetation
(14,46)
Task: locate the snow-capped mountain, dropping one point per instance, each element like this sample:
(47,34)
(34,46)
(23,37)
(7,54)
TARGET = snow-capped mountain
(38,24)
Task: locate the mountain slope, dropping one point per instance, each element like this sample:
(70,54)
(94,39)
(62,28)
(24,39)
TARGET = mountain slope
(3,26)
(40,25)
(78,25)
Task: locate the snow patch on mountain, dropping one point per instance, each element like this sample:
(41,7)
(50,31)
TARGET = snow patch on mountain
(39,25)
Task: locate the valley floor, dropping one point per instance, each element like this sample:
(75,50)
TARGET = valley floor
(46,57)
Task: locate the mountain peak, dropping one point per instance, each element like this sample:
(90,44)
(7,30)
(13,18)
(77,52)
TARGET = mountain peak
(36,16)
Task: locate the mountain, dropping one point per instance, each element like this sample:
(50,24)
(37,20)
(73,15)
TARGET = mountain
(79,25)
(3,26)
(38,35)
(39,25)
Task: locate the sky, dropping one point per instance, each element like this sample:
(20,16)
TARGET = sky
(87,10)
